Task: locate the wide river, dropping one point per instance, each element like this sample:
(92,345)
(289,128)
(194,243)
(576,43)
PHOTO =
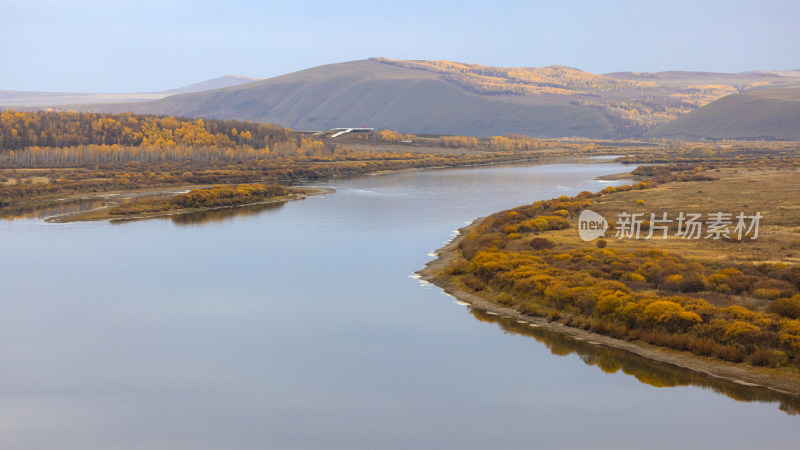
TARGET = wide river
(300,326)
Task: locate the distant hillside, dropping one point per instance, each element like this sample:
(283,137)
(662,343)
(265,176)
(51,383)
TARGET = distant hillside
(216,83)
(783,73)
(370,93)
(26,99)
(728,81)
(759,114)
(559,80)
(34,100)
(457,98)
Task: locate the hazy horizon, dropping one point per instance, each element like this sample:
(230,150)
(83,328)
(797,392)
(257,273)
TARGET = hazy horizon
(92,46)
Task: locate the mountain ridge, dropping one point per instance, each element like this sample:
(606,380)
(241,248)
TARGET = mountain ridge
(445,97)
(29,99)
(448,97)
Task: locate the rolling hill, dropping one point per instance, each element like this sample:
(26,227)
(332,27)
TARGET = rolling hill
(759,114)
(442,97)
(455,98)
(371,93)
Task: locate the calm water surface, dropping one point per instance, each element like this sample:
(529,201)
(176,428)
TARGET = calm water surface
(298,326)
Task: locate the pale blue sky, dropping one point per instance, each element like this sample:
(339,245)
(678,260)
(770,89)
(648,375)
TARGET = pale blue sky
(144,45)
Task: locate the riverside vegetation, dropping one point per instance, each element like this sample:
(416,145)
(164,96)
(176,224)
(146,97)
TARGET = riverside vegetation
(736,300)
(49,158)
(195,200)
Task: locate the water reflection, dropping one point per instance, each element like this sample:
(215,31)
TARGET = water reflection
(41,213)
(210,215)
(223,214)
(657,374)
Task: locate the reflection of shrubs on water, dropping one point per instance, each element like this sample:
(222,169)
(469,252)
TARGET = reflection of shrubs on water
(219,215)
(653,373)
(58,209)
(214,197)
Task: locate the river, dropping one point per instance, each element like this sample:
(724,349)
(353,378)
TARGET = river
(300,326)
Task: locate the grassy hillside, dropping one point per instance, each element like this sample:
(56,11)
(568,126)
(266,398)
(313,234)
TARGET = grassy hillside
(369,93)
(759,114)
(455,98)
(560,80)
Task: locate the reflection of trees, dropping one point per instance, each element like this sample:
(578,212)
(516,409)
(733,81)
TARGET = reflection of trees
(653,373)
(43,212)
(218,215)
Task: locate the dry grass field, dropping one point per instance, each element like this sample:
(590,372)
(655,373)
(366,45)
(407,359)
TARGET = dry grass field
(775,193)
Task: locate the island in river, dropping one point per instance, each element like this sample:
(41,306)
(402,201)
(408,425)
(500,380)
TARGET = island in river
(195,200)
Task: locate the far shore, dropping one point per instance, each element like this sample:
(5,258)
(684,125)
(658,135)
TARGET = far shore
(101,214)
(742,373)
(49,202)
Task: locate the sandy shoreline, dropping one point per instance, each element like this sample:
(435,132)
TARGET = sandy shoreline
(739,373)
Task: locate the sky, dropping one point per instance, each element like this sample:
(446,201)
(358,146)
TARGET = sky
(147,46)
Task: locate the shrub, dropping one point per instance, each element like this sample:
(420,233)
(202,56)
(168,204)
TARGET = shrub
(674,282)
(504,299)
(474,283)
(540,243)
(459,268)
(729,353)
(693,282)
(632,276)
(742,332)
(739,282)
(762,357)
(767,294)
(654,311)
(702,347)
(724,289)
(610,301)
(786,307)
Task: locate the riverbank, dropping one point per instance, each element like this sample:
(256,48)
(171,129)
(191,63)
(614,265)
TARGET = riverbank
(30,206)
(104,213)
(782,381)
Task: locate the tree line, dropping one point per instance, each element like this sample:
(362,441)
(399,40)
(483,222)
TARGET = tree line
(110,136)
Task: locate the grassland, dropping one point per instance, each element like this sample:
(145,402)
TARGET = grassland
(773,191)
